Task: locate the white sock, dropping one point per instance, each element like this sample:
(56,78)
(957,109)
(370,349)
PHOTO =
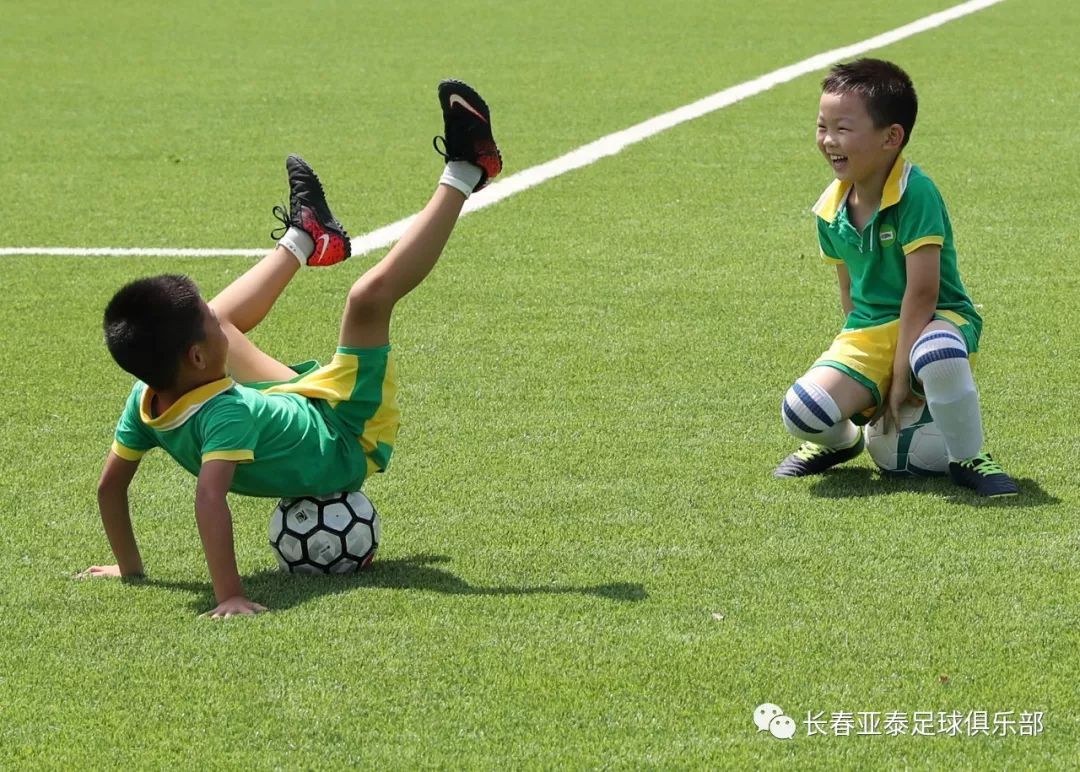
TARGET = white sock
(940,360)
(461,175)
(810,413)
(299,243)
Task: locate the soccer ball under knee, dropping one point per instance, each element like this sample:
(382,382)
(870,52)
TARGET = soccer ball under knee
(335,534)
(916,448)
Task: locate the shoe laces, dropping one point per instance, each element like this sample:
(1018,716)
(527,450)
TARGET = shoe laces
(435,144)
(283,216)
(983,464)
(808,451)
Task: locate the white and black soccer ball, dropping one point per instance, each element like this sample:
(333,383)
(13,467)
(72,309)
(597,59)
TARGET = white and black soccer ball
(335,534)
(917,448)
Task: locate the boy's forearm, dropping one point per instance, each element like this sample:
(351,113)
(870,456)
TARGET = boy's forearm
(215,529)
(923,267)
(116,519)
(916,311)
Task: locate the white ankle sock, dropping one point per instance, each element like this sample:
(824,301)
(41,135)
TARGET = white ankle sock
(461,175)
(299,243)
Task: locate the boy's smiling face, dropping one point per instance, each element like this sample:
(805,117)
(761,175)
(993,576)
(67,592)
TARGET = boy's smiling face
(855,148)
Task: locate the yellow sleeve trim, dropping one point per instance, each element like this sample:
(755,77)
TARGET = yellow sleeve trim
(912,246)
(127,453)
(241,456)
(829,258)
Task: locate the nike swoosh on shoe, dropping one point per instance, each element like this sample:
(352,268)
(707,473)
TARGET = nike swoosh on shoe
(457,99)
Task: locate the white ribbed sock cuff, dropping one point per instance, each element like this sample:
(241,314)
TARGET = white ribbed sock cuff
(810,413)
(461,175)
(299,243)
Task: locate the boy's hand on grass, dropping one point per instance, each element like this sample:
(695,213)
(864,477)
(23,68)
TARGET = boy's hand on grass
(95,572)
(109,572)
(235,606)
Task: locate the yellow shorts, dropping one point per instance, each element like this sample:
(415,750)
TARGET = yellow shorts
(866,354)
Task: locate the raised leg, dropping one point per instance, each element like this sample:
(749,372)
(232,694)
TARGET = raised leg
(311,235)
(248,300)
(473,159)
(366,323)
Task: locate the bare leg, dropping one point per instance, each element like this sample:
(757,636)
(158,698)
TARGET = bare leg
(366,323)
(247,363)
(245,303)
(248,300)
(850,395)
(940,325)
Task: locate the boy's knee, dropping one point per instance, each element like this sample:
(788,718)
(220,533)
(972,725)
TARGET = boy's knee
(808,410)
(369,295)
(939,360)
(220,310)
(940,356)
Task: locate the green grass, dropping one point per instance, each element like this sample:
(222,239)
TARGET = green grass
(590,389)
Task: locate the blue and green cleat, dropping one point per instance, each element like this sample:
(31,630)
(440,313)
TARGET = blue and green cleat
(983,475)
(812,458)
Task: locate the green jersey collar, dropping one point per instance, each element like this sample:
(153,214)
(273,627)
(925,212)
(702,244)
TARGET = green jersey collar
(184,408)
(835,196)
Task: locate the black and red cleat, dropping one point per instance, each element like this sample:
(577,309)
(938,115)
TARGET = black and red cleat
(467,126)
(309,212)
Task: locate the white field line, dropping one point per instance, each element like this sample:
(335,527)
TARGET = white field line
(136,251)
(576,159)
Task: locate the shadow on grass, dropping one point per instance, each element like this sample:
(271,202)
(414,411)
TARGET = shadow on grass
(417,572)
(859,482)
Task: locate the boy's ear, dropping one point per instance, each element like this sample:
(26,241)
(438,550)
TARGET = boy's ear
(894,137)
(195,356)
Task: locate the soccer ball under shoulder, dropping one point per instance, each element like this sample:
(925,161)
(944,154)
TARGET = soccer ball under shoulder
(335,534)
(916,449)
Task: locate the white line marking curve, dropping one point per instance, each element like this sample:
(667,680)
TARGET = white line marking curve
(575,159)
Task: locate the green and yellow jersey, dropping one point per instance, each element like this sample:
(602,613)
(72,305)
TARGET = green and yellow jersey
(322,432)
(912,214)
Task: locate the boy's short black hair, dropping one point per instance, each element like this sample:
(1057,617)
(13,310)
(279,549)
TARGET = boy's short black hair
(886,90)
(151,323)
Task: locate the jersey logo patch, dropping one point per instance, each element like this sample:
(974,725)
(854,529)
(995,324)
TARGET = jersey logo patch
(887,235)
